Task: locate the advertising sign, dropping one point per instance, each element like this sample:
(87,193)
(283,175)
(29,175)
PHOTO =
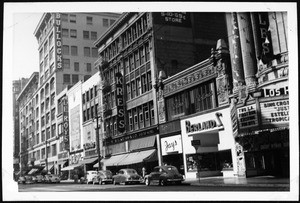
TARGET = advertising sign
(181,19)
(275,112)
(75,128)
(66,123)
(120,103)
(171,144)
(247,116)
(58,42)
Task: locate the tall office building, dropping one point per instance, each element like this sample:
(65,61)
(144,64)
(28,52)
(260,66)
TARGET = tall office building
(66,55)
(18,85)
(137,51)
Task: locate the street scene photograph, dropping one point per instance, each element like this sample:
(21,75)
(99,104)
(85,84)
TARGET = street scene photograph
(150,101)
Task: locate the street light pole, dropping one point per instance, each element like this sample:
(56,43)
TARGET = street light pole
(46,151)
(97,120)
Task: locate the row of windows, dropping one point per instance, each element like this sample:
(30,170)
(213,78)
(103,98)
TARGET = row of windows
(72,33)
(90,94)
(68,77)
(89,19)
(139,85)
(132,33)
(90,113)
(41,154)
(196,99)
(87,51)
(67,65)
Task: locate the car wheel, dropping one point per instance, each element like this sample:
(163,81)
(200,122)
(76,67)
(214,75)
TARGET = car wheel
(100,182)
(163,182)
(147,181)
(114,181)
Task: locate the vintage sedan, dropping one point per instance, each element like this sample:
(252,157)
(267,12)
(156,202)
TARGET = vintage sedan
(164,175)
(21,180)
(126,176)
(51,178)
(39,178)
(103,176)
(29,179)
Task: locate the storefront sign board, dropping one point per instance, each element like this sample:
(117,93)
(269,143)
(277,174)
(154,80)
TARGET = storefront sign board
(171,144)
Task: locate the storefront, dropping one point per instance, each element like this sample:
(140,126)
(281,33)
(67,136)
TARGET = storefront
(208,144)
(135,151)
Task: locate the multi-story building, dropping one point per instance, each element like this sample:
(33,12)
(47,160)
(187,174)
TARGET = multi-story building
(66,55)
(18,85)
(27,112)
(132,53)
(230,113)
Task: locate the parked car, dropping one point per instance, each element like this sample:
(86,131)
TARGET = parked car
(21,180)
(89,176)
(29,179)
(104,176)
(127,176)
(51,178)
(39,178)
(164,175)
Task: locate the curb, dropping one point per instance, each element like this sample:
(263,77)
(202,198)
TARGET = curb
(239,185)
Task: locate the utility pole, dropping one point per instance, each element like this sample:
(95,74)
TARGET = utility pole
(97,120)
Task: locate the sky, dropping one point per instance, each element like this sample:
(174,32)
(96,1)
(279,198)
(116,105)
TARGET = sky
(20,59)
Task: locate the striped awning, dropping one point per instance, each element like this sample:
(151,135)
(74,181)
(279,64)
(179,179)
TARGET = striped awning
(112,161)
(32,171)
(136,157)
(71,167)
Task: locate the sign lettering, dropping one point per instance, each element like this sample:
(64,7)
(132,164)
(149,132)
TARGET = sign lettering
(275,112)
(120,103)
(247,116)
(273,92)
(58,41)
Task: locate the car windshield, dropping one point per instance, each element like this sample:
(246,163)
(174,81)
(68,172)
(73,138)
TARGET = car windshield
(131,171)
(108,173)
(172,169)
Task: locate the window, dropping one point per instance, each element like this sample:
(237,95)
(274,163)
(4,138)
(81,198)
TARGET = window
(94,52)
(41,67)
(88,67)
(126,66)
(93,35)
(48,133)
(52,114)
(87,51)
(37,125)
(72,18)
(138,87)
(76,66)
(91,93)
(92,112)
(52,68)
(64,17)
(53,130)
(46,61)
(141,116)
(137,59)
(142,55)
(73,33)
(43,153)
(105,22)
(133,89)
(152,113)
(54,150)
(47,118)
(149,81)
(112,21)
(66,63)
(43,136)
(37,139)
(41,54)
(132,63)
(86,77)
(48,151)
(128,91)
(75,79)
(74,51)
(52,99)
(65,32)
(65,50)
(130,120)
(86,34)
(66,79)
(147,49)
(89,20)
(51,39)
(45,47)
(51,54)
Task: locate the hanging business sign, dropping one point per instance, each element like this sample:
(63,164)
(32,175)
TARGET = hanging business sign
(58,41)
(120,103)
(275,112)
(171,144)
(275,90)
(247,116)
(66,123)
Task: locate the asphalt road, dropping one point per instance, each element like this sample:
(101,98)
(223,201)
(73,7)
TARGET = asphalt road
(62,187)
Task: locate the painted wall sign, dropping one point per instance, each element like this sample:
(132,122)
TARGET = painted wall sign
(171,144)
(275,112)
(182,19)
(58,41)
(205,124)
(120,103)
(181,83)
(75,128)
(247,116)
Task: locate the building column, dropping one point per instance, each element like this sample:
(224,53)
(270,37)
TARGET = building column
(248,51)
(236,54)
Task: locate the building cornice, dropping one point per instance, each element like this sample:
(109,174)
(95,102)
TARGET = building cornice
(32,79)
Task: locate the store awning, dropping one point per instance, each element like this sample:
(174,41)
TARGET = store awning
(89,161)
(112,161)
(137,157)
(32,171)
(68,168)
(142,143)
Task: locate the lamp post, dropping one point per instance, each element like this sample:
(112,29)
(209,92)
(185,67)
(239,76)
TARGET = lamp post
(97,124)
(46,151)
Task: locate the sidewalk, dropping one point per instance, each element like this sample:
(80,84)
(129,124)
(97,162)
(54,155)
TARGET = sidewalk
(261,181)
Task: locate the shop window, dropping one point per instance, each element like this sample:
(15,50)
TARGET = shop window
(202,162)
